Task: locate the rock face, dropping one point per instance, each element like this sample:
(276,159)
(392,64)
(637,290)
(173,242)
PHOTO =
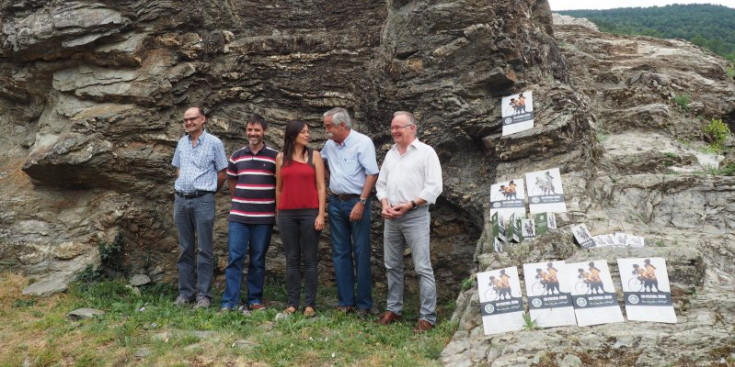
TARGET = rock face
(644,170)
(91,97)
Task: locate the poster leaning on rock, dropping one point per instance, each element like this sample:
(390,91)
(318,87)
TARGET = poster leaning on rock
(646,289)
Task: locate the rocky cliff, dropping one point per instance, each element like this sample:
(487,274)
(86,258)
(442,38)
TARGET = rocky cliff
(91,97)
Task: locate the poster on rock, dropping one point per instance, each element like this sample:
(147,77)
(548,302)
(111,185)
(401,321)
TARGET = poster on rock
(517,112)
(501,301)
(593,293)
(646,290)
(508,198)
(582,236)
(549,299)
(545,191)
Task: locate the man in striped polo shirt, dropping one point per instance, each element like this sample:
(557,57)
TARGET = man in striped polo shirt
(252,183)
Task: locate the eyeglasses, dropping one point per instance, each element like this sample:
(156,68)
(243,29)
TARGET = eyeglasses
(191,119)
(393,128)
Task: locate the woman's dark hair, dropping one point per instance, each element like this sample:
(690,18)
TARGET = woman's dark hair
(293,128)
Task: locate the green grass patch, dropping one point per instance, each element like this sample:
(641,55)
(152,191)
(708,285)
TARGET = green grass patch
(43,335)
(682,100)
(716,132)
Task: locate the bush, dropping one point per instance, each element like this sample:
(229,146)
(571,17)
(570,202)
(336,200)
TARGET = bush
(716,133)
(683,101)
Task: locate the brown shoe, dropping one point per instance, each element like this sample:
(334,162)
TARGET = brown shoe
(388,317)
(422,326)
(257,307)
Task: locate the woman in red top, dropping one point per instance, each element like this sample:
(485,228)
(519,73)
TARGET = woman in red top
(301,200)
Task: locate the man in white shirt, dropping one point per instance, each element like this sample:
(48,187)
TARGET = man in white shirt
(409,180)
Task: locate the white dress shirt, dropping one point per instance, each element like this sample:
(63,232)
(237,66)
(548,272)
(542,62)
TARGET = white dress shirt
(417,173)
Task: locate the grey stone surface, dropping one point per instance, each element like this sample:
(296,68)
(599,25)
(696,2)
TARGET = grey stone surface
(84,313)
(139,279)
(46,287)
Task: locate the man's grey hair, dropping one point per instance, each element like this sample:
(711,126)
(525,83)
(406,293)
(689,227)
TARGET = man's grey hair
(409,115)
(339,115)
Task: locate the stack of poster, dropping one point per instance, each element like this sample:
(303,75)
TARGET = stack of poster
(549,300)
(593,293)
(508,198)
(501,302)
(545,191)
(629,240)
(582,236)
(646,290)
(517,113)
(618,240)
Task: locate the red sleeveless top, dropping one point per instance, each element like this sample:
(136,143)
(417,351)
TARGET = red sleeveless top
(299,187)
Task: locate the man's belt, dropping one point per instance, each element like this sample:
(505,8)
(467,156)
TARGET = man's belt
(193,194)
(346,197)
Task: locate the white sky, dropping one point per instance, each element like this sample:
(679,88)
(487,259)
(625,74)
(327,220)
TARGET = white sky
(610,4)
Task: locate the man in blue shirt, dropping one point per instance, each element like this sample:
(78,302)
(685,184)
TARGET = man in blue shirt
(200,161)
(353,170)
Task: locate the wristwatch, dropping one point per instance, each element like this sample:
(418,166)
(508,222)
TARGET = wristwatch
(363,201)
(413,204)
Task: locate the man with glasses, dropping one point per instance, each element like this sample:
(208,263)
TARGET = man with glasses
(353,170)
(200,161)
(409,180)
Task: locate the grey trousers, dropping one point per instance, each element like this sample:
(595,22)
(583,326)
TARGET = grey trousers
(412,229)
(195,218)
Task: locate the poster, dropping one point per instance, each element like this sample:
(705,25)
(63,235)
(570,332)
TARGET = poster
(517,112)
(593,293)
(528,229)
(582,236)
(501,302)
(646,290)
(544,222)
(549,299)
(498,226)
(508,198)
(545,191)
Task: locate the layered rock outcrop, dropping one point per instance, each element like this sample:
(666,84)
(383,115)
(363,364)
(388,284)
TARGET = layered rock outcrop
(91,97)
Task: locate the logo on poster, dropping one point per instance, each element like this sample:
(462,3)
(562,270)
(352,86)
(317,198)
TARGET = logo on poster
(508,120)
(496,205)
(535,200)
(489,308)
(582,302)
(537,302)
(633,299)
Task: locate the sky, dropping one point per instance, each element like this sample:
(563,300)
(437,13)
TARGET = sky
(610,4)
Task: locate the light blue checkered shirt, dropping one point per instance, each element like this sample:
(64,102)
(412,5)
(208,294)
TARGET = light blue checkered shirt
(198,166)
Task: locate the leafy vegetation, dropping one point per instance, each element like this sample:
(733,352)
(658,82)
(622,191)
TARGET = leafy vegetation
(716,132)
(682,100)
(144,328)
(708,26)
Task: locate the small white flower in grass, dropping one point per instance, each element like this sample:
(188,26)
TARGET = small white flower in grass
(334,354)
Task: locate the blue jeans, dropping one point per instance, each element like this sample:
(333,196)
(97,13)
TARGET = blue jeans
(301,244)
(195,216)
(348,238)
(239,236)
(412,229)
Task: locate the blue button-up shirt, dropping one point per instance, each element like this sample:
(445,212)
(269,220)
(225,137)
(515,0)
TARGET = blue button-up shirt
(350,163)
(198,166)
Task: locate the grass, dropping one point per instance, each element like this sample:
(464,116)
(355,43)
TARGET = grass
(682,100)
(36,331)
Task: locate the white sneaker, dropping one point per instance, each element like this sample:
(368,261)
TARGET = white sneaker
(202,303)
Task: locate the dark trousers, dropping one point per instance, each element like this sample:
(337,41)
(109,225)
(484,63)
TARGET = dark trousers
(300,242)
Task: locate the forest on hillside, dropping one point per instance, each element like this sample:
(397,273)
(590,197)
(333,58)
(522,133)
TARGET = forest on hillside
(708,26)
